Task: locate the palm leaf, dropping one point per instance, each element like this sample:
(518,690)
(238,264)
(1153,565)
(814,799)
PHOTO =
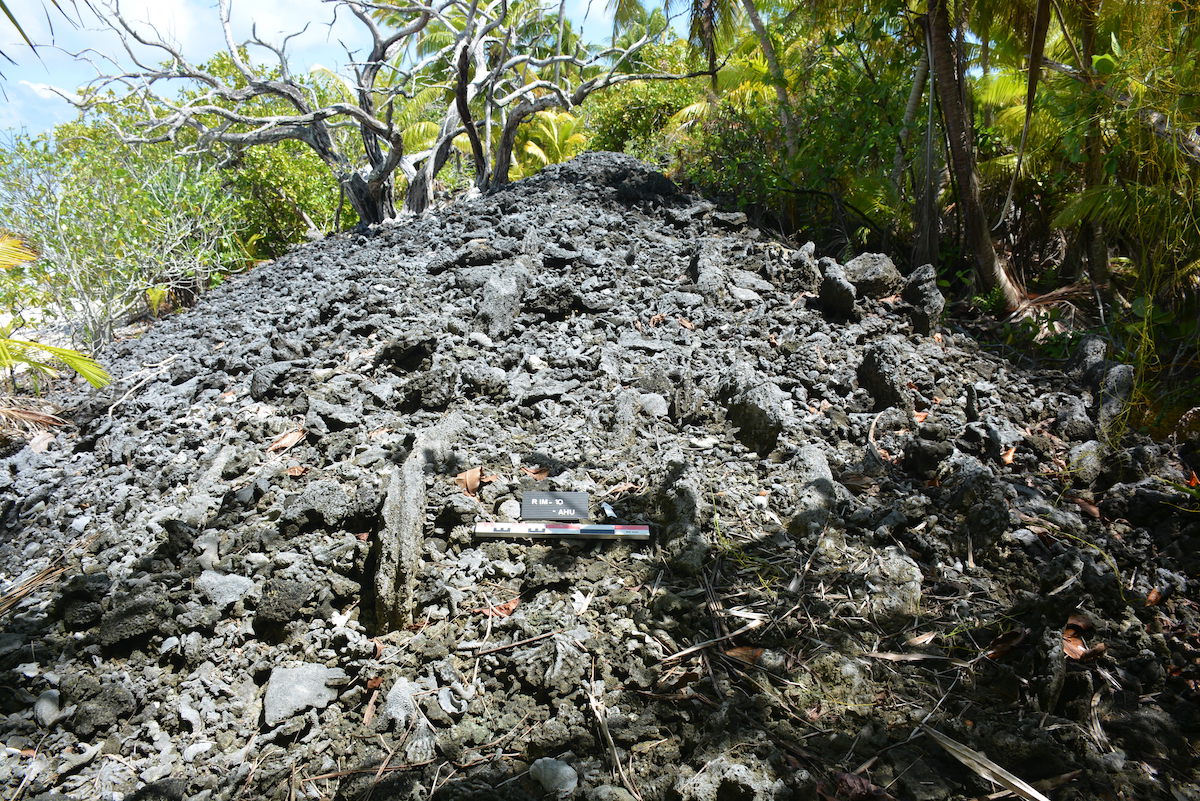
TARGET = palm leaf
(420,135)
(533,149)
(1001,89)
(329,81)
(14,252)
(689,115)
(15,352)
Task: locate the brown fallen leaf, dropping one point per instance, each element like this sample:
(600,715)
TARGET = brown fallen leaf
(920,417)
(297,470)
(369,711)
(537,473)
(857,482)
(620,489)
(375,683)
(286,440)
(686,323)
(499,610)
(1194,481)
(30,417)
(1073,644)
(675,679)
(851,787)
(922,639)
(1003,643)
(657,320)
(1154,597)
(745,654)
(1007,456)
(1088,508)
(471,480)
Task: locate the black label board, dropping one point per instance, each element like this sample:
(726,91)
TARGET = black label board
(554,506)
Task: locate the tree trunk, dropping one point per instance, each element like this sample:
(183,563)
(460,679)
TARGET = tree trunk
(420,186)
(372,200)
(910,116)
(1093,150)
(504,147)
(962,158)
(928,223)
(462,103)
(778,76)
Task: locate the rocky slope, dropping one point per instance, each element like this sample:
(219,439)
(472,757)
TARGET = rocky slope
(249,571)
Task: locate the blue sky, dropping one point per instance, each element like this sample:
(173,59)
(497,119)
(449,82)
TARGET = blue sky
(31,105)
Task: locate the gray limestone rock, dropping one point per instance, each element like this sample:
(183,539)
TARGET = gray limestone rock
(972,489)
(46,709)
(501,303)
(1112,401)
(555,776)
(1089,362)
(291,690)
(401,540)
(1086,462)
(836,295)
(743,777)
(100,706)
(874,275)
(281,600)
(755,406)
(224,589)
(879,374)
(924,298)
(267,381)
(803,273)
(137,613)
(708,272)
(1072,421)
(815,491)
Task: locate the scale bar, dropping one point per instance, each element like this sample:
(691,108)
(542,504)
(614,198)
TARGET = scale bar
(583,531)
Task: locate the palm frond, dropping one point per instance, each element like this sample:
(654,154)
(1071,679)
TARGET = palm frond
(1002,89)
(334,84)
(14,252)
(14,352)
(533,149)
(691,114)
(420,135)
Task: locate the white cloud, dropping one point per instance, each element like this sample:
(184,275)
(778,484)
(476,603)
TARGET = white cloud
(48,92)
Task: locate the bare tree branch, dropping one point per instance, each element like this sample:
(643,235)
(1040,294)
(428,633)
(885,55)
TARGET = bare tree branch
(256,106)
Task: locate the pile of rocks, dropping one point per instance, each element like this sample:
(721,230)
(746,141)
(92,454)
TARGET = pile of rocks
(251,572)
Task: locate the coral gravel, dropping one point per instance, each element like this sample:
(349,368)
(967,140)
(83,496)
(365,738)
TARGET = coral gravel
(248,571)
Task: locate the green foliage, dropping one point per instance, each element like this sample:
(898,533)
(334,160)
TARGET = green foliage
(637,117)
(18,354)
(124,231)
(832,181)
(551,137)
(109,222)
(22,353)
